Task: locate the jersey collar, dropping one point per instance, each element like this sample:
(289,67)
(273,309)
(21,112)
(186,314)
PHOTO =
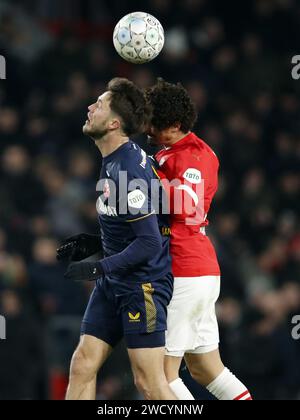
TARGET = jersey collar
(182,141)
(117,152)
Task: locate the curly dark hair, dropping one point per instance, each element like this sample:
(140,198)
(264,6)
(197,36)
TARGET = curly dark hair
(170,104)
(128,101)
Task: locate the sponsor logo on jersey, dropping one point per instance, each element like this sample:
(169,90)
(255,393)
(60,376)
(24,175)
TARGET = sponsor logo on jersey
(192,175)
(136,199)
(165,231)
(134,318)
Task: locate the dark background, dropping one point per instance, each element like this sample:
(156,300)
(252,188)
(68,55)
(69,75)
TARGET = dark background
(235,60)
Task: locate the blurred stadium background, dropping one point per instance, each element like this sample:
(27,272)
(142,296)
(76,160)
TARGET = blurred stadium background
(234,58)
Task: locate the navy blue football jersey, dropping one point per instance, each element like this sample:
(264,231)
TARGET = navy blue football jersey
(129,191)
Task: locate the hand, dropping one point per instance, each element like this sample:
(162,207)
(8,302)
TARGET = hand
(79,247)
(84,271)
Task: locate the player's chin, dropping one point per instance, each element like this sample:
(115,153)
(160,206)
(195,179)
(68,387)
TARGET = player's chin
(86,129)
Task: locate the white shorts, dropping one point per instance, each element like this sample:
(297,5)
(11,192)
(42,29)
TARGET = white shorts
(192,322)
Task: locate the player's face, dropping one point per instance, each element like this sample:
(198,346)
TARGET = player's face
(159,136)
(99,117)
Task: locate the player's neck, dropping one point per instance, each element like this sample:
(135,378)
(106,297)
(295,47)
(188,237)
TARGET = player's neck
(109,143)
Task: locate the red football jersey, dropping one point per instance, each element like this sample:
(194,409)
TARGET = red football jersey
(189,172)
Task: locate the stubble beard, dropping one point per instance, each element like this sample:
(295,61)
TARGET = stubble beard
(95,134)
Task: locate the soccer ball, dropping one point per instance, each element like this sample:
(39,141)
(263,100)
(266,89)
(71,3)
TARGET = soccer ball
(138,37)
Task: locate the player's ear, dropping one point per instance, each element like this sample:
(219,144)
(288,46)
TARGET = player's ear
(176,127)
(114,124)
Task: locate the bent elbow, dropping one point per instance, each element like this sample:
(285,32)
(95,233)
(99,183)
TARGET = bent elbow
(153,245)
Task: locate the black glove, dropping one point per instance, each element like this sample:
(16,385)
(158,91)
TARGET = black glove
(79,247)
(84,271)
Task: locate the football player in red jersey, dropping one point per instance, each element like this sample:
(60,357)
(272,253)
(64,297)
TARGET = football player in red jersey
(188,169)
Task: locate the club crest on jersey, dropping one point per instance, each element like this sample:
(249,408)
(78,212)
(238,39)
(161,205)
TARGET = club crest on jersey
(192,175)
(106,189)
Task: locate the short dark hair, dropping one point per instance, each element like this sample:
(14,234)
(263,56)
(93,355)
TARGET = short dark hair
(129,103)
(170,104)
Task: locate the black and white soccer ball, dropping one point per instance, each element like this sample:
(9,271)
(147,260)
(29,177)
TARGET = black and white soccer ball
(138,37)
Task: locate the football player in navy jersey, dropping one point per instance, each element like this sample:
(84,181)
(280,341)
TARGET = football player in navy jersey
(134,283)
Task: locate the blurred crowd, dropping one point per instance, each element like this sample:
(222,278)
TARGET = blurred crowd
(235,60)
